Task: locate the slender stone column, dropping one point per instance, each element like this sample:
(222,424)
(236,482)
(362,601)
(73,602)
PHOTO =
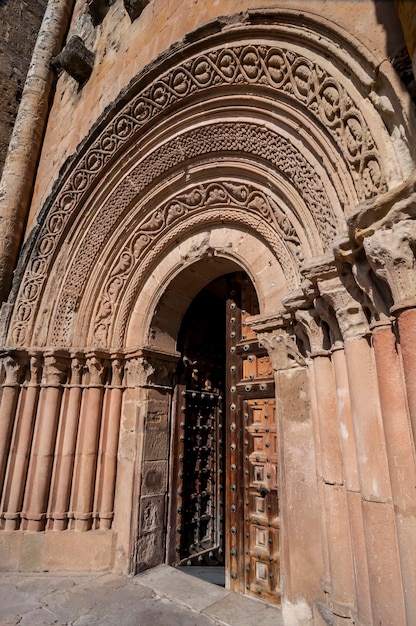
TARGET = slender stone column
(16,479)
(390,252)
(342,591)
(87,446)
(14,366)
(61,491)
(110,446)
(377,510)
(391,255)
(41,461)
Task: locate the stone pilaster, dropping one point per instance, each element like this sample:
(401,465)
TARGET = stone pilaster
(300,508)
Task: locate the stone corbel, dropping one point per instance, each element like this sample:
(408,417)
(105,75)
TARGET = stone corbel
(391,254)
(75,59)
(135,7)
(277,335)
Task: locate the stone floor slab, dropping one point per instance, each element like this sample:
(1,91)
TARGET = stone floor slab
(237,610)
(14,601)
(187,590)
(163,596)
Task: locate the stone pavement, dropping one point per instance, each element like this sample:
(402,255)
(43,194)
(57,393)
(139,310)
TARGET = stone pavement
(162,596)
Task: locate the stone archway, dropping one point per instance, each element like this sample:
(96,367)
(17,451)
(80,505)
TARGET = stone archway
(247,148)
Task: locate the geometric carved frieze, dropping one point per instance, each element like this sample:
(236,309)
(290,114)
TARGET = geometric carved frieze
(318,94)
(235,138)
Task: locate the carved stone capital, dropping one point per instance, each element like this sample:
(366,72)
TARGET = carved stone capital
(359,278)
(348,311)
(150,367)
(35,368)
(278,338)
(55,368)
(14,367)
(327,315)
(77,368)
(310,325)
(117,370)
(390,253)
(96,366)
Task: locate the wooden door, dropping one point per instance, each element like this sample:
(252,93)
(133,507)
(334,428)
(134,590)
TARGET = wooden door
(252,491)
(224,461)
(196,517)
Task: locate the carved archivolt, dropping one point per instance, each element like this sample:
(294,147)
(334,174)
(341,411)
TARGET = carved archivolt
(238,138)
(288,75)
(215,202)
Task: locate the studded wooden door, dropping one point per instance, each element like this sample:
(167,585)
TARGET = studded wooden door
(253,563)
(224,496)
(197,464)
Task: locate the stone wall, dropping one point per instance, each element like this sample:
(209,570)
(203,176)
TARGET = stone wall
(19,26)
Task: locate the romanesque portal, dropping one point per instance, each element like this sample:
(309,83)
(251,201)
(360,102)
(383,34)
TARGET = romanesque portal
(208,344)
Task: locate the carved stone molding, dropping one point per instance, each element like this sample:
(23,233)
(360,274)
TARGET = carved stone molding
(226,199)
(280,69)
(391,254)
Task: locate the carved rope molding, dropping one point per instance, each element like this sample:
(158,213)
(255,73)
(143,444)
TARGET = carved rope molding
(287,73)
(237,138)
(210,196)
